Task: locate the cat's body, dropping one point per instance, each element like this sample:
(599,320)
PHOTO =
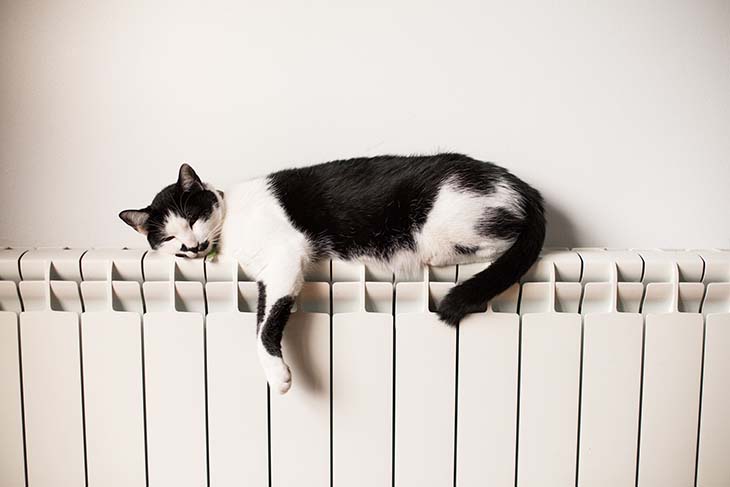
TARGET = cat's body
(400,212)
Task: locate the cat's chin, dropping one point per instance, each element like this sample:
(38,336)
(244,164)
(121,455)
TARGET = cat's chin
(209,253)
(191,255)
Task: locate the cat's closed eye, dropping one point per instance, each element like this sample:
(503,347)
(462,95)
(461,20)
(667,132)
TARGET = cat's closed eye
(167,239)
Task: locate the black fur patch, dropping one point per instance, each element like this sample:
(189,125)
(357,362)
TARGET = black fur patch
(273,329)
(501,223)
(373,206)
(261,305)
(465,250)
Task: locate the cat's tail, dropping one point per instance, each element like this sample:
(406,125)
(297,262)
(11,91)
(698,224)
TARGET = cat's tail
(473,294)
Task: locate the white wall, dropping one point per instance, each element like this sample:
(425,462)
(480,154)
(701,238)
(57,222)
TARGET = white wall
(618,111)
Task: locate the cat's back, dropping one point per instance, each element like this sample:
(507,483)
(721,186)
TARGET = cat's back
(352,182)
(349,204)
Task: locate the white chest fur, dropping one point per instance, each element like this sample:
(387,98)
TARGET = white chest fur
(256,229)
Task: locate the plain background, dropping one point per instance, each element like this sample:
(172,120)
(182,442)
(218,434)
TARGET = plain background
(618,111)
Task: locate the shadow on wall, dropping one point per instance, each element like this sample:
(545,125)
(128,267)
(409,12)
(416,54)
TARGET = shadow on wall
(560,230)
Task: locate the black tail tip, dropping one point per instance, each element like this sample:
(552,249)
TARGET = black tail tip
(451,310)
(457,304)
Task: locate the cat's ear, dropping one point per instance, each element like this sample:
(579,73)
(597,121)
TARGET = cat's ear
(187,179)
(135,219)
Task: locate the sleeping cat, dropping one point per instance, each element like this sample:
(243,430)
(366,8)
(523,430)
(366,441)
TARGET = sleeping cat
(402,212)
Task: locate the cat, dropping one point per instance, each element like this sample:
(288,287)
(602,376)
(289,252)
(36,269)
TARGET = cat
(401,212)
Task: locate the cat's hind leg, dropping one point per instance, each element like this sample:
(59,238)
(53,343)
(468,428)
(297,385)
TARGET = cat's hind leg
(279,284)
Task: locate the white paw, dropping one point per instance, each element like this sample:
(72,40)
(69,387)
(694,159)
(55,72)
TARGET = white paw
(279,377)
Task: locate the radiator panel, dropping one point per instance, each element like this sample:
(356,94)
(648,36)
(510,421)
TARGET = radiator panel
(362,385)
(487,402)
(713,466)
(12,461)
(300,420)
(175,398)
(610,395)
(113,398)
(237,397)
(670,400)
(549,383)
(54,428)
(604,367)
(425,373)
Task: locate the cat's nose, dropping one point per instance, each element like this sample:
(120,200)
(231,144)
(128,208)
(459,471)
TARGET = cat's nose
(198,248)
(185,248)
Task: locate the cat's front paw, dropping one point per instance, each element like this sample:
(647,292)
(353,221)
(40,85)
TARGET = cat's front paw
(278,376)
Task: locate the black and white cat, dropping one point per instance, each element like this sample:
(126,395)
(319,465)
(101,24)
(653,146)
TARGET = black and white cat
(402,212)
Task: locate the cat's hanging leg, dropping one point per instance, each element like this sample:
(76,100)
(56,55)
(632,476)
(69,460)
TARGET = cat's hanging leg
(279,284)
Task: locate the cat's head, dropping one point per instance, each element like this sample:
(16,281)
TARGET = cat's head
(184,219)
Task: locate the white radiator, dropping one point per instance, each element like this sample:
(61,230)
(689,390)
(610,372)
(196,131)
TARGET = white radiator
(128,368)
